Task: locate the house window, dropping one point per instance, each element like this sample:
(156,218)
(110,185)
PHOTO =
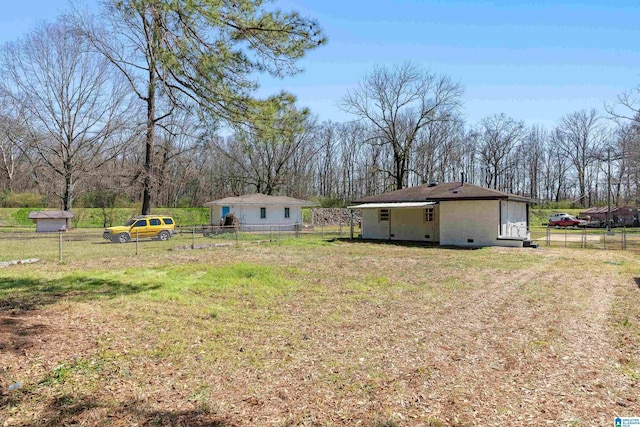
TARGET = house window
(263,213)
(286,213)
(383,215)
(428,215)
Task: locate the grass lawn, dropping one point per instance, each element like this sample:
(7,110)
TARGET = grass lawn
(318,333)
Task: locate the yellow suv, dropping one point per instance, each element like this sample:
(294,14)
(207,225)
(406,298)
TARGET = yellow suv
(154,226)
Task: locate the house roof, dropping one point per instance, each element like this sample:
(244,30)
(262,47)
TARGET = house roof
(442,192)
(405,205)
(261,200)
(50,214)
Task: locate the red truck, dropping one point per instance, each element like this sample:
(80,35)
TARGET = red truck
(567,221)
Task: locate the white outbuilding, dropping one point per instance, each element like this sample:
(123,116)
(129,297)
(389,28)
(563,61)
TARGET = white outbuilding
(51,221)
(260,212)
(452,214)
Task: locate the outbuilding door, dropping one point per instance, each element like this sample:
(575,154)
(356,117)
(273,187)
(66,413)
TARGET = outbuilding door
(225,211)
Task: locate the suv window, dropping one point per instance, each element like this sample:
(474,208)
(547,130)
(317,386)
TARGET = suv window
(154,221)
(140,223)
(167,221)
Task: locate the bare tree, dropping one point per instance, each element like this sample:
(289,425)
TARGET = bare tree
(263,149)
(580,136)
(497,137)
(399,102)
(11,143)
(74,105)
(437,151)
(532,152)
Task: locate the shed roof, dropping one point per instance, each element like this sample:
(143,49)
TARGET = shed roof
(50,214)
(614,209)
(442,192)
(261,200)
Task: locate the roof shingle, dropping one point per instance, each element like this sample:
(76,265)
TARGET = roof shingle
(442,192)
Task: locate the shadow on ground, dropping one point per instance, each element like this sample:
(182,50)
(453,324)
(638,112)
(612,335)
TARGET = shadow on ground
(18,294)
(404,243)
(20,298)
(68,409)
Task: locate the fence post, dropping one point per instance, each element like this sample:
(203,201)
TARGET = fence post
(565,237)
(548,236)
(193,237)
(137,240)
(60,244)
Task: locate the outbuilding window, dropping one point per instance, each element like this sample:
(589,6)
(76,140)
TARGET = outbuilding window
(383,215)
(428,215)
(286,212)
(263,213)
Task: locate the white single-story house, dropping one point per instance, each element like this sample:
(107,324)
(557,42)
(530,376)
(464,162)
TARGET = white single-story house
(455,214)
(260,212)
(50,221)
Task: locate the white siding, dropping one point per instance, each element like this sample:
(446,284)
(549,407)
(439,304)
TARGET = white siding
(409,224)
(249,215)
(472,223)
(371,227)
(50,225)
(403,224)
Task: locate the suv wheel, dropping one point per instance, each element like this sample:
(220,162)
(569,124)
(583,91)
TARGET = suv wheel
(123,238)
(164,235)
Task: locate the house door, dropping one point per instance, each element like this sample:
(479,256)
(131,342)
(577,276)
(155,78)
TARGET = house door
(225,211)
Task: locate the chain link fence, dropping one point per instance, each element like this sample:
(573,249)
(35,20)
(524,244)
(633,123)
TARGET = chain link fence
(586,238)
(24,245)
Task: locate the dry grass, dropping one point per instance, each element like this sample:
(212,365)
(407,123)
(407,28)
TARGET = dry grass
(324,334)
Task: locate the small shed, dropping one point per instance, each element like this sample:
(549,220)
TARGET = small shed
(621,215)
(51,221)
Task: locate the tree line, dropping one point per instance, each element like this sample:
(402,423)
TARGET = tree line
(152,102)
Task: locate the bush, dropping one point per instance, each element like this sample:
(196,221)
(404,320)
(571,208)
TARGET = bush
(21,200)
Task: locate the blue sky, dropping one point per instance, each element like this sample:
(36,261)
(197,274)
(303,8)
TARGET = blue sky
(532,60)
